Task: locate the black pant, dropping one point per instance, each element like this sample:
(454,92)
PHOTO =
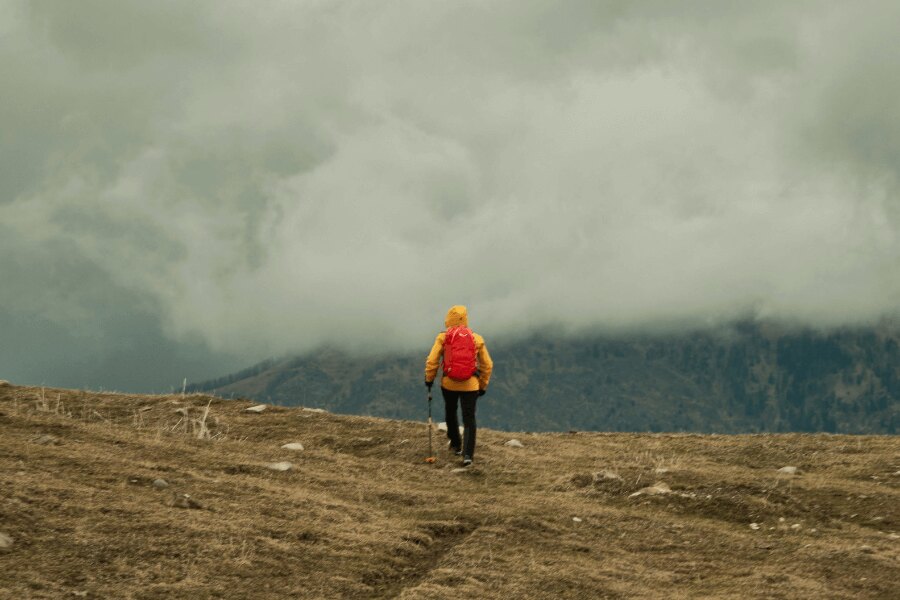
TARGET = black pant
(467,399)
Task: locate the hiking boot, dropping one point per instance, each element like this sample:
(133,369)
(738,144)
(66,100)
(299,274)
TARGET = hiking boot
(454,449)
(467,461)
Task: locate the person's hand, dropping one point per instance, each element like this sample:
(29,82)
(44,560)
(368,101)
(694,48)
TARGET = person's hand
(428,384)
(482,392)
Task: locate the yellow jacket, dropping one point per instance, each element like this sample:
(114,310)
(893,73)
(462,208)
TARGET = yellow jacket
(457,316)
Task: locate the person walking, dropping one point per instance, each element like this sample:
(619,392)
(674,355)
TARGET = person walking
(467,370)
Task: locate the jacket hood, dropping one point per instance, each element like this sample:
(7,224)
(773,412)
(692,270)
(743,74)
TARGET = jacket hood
(457,316)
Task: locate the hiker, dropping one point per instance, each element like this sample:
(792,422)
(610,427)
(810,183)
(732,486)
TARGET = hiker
(467,371)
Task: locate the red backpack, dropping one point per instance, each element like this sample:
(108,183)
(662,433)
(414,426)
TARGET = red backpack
(459,353)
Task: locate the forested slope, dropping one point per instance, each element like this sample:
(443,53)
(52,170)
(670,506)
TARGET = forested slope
(750,378)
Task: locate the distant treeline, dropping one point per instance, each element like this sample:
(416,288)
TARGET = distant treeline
(750,378)
(219,382)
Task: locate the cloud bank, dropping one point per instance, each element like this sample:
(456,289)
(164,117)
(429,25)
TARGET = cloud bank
(187,187)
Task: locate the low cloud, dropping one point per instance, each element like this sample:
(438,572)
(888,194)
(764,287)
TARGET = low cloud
(229,184)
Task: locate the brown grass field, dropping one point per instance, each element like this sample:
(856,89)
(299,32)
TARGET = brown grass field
(360,515)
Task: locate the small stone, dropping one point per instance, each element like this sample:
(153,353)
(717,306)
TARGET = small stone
(813,530)
(795,526)
(314,410)
(293,446)
(789,470)
(576,519)
(657,489)
(256,409)
(5,541)
(604,476)
(754,526)
(781,519)
(460,470)
(442,426)
(514,443)
(660,470)
(280,466)
(867,549)
(185,501)
(160,484)
(144,408)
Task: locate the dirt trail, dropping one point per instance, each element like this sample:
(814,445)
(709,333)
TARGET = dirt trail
(361,516)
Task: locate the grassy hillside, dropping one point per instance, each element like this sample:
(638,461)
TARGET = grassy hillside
(750,378)
(360,515)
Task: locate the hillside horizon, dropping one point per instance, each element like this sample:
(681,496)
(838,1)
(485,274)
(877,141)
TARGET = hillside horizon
(746,379)
(143,497)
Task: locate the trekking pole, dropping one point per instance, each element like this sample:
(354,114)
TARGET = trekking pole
(430,459)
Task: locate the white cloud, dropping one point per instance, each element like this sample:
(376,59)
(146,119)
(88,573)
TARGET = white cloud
(273,180)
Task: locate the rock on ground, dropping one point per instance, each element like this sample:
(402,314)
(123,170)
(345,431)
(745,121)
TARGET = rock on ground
(603,476)
(5,541)
(443,427)
(293,446)
(256,409)
(160,484)
(185,501)
(514,444)
(280,466)
(789,470)
(656,489)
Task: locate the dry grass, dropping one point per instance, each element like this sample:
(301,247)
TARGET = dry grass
(361,516)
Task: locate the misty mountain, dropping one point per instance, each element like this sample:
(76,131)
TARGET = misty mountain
(750,378)
(188,187)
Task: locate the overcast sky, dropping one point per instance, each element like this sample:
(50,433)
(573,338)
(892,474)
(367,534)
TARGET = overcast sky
(189,187)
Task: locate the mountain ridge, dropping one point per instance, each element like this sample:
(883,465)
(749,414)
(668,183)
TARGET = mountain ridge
(748,378)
